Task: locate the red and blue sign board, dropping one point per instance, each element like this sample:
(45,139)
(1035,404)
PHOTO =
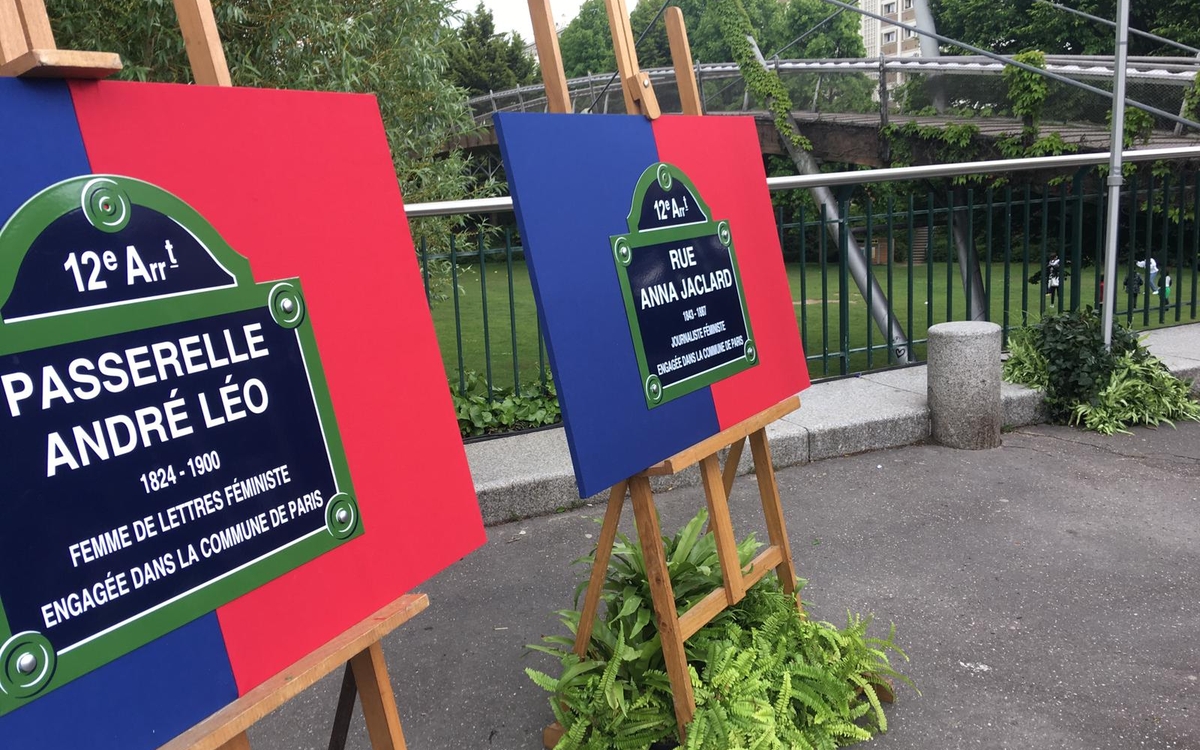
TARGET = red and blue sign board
(660,282)
(180,423)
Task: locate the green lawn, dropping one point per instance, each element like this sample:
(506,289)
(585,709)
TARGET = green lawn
(819,313)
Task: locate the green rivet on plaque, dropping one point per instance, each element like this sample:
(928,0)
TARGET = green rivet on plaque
(342,515)
(105,204)
(664,177)
(287,305)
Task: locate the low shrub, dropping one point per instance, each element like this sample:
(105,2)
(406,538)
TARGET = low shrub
(1090,386)
(506,410)
(762,675)
(1140,391)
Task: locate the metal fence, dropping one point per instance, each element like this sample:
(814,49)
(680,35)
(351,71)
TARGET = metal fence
(913,236)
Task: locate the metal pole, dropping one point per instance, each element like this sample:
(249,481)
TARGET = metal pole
(929,49)
(1115,148)
(504,203)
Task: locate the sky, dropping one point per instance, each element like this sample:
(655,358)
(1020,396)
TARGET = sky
(513,15)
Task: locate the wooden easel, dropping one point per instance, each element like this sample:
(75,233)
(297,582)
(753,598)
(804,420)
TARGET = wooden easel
(674,628)
(27,48)
(365,673)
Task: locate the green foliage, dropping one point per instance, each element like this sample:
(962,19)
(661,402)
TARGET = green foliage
(485,61)
(1139,124)
(1191,100)
(1027,91)
(506,410)
(1077,364)
(395,49)
(1020,24)
(951,143)
(1025,363)
(1086,384)
(762,675)
(586,42)
(1141,390)
(763,83)
(776,24)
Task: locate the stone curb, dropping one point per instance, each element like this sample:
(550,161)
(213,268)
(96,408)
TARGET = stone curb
(530,474)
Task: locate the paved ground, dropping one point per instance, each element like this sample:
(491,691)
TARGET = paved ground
(1048,593)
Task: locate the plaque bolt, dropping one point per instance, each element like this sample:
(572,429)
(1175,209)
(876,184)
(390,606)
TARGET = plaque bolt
(26,663)
(287,305)
(342,515)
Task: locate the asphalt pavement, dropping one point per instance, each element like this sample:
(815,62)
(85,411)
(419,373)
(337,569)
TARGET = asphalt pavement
(1047,593)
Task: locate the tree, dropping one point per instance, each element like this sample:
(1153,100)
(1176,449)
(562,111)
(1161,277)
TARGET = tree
(395,49)
(1011,27)
(704,33)
(485,61)
(775,26)
(586,43)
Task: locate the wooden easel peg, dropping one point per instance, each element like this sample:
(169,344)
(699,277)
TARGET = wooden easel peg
(643,95)
(635,85)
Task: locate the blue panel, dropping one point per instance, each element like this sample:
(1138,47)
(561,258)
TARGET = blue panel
(162,689)
(142,700)
(40,142)
(572,179)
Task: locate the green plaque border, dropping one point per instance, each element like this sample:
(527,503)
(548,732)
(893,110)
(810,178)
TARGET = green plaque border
(623,246)
(55,329)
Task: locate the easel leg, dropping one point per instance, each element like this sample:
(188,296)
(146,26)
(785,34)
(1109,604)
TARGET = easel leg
(240,742)
(663,596)
(378,702)
(768,492)
(345,711)
(722,528)
(729,473)
(604,547)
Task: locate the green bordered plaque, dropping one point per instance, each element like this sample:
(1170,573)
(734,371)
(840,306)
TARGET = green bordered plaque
(683,293)
(168,438)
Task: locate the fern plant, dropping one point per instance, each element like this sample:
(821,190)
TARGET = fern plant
(762,675)
(1140,391)
(1025,363)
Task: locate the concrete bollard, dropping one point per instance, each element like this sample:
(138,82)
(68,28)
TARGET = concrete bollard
(964,385)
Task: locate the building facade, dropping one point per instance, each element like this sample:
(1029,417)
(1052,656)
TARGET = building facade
(885,37)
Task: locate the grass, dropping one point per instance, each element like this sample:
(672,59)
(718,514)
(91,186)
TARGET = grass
(918,301)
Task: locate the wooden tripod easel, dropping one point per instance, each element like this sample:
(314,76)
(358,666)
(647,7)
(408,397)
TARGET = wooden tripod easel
(673,628)
(27,48)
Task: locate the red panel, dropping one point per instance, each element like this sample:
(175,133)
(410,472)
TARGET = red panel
(302,184)
(721,155)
